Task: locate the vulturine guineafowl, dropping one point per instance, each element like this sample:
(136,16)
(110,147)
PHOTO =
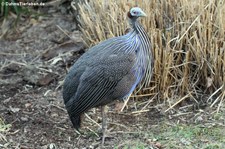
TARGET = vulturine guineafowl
(109,71)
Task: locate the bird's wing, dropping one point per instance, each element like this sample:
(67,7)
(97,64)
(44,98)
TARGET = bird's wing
(71,82)
(98,81)
(92,58)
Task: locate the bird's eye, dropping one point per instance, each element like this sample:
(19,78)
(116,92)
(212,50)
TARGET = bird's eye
(135,12)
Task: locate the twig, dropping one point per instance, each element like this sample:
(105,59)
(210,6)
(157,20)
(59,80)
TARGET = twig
(92,120)
(149,101)
(221,102)
(125,132)
(92,131)
(177,102)
(121,125)
(180,114)
(213,95)
(2,53)
(125,103)
(143,95)
(141,111)
(193,23)
(63,31)
(58,107)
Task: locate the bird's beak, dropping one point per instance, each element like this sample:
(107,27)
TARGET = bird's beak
(142,14)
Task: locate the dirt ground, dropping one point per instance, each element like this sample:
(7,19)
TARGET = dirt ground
(34,58)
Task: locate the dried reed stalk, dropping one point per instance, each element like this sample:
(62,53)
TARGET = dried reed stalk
(188,41)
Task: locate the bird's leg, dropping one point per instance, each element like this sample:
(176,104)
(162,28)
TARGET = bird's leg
(104,123)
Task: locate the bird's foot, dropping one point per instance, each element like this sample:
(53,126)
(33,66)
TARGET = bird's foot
(106,134)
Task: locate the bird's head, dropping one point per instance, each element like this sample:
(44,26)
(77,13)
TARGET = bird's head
(136,12)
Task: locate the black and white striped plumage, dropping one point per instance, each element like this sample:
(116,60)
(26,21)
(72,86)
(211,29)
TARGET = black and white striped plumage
(109,71)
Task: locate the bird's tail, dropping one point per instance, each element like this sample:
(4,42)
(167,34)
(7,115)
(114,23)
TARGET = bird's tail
(76,121)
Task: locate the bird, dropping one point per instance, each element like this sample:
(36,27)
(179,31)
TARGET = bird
(109,71)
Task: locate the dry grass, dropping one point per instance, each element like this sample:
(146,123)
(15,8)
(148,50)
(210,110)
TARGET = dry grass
(188,42)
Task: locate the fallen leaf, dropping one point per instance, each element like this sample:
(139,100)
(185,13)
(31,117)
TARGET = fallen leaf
(14,110)
(56,60)
(28,105)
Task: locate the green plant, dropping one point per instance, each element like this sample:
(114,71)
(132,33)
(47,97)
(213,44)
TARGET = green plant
(6,8)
